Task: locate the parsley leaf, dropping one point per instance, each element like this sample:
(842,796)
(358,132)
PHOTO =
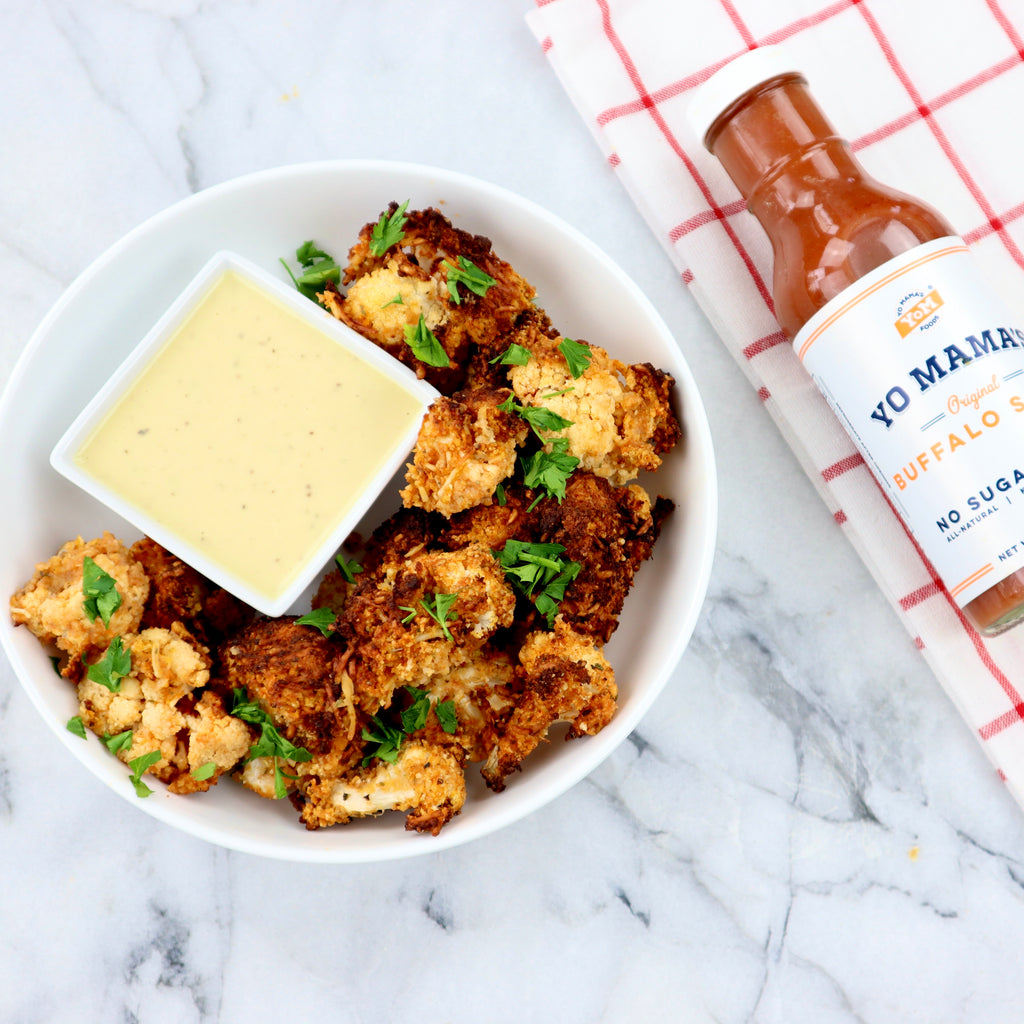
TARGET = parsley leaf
(438,607)
(514,355)
(204,771)
(549,471)
(389,230)
(415,716)
(271,743)
(396,301)
(577,355)
(424,344)
(538,572)
(318,267)
(77,726)
(320,618)
(499,495)
(386,738)
(115,664)
(118,742)
(445,711)
(537,416)
(100,591)
(348,566)
(139,765)
(469,274)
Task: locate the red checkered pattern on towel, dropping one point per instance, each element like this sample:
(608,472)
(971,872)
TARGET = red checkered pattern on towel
(930,93)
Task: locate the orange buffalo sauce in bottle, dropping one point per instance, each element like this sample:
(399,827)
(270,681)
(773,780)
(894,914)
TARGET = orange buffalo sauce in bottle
(921,361)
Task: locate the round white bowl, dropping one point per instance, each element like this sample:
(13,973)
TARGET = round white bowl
(263,217)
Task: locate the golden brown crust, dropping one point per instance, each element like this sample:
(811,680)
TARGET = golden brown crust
(51,603)
(425,779)
(465,448)
(294,673)
(564,677)
(621,416)
(472,330)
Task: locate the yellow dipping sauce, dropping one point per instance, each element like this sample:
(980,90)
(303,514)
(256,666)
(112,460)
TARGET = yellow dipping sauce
(250,434)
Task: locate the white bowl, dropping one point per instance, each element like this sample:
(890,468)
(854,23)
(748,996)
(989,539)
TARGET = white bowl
(218,447)
(263,217)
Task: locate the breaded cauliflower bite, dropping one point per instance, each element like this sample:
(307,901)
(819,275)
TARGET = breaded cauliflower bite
(294,674)
(564,677)
(396,632)
(465,448)
(154,701)
(419,277)
(425,779)
(621,416)
(51,604)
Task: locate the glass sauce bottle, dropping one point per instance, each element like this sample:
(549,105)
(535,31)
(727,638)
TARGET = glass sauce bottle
(842,242)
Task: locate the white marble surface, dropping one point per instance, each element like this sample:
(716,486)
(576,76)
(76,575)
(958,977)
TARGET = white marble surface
(802,829)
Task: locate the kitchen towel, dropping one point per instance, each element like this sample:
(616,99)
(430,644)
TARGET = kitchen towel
(929,94)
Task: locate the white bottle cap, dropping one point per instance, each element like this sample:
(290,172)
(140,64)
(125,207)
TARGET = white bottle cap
(730,82)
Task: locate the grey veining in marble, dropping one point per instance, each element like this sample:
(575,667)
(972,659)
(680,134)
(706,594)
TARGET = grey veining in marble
(801,831)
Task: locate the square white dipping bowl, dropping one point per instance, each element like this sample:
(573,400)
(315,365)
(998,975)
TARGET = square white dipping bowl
(248,433)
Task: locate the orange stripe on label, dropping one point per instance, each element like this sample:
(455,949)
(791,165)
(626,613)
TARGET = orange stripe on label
(973,578)
(861,296)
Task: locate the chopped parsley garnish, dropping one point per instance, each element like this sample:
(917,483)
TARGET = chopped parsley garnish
(415,716)
(318,267)
(424,344)
(577,355)
(514,355)
(271,743)
(100,591)
(118,742)
(469,274)
(539,573)
(499,495)
(55,662)
(77,726)
(438,607)
(549,471)
(204,771)
(537,416)
(389,230)
(319,618)
(348,566)
(115,664)
(387,739)
(139,766)
(445,711)
(396,301)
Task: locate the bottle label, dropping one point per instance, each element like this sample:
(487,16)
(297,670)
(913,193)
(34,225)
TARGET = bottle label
(924,365)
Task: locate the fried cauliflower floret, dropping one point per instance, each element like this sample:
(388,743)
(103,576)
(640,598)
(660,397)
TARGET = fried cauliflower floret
(293,673)
(51,603)
(468,326)
(426,780)
(178,593)
(393,638)
(494,523)
(481,693)
(565,677)
(155,702)
(214,737)
(609,531)
(621,416)
(465,448)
